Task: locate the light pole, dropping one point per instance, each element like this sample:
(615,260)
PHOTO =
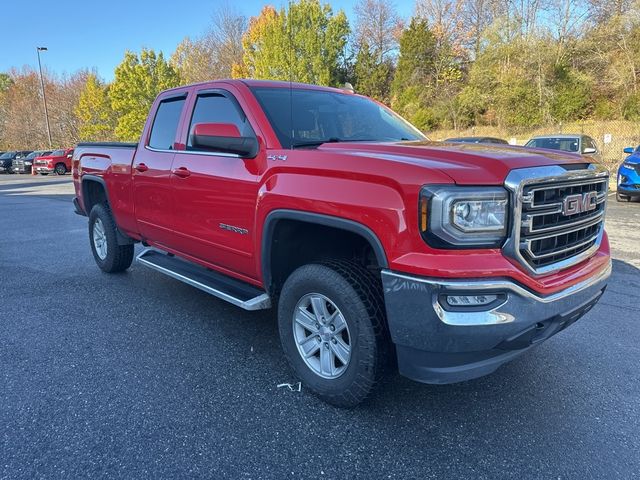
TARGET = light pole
(44,96)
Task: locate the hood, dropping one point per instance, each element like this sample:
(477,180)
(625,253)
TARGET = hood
(465,163)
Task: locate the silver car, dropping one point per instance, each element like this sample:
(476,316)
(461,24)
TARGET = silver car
(576,143)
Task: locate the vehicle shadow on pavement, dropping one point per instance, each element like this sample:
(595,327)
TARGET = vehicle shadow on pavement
(22,186)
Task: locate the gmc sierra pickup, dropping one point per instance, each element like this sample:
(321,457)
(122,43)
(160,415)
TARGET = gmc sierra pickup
(378,247)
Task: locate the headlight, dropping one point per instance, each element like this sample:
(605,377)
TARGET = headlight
(629,165)
(463,217)
(27,163)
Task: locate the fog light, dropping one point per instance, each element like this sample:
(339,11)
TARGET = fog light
(470,300)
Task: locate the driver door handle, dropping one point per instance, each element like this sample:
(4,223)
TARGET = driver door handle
(141,167)
(182,172)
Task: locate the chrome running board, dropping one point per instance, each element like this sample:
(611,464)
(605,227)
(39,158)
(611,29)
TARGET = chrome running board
(222,286)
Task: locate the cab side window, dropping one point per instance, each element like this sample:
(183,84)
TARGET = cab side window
(165,124)
(216,108)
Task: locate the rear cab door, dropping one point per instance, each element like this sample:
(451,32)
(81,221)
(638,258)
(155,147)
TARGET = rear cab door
(151,169)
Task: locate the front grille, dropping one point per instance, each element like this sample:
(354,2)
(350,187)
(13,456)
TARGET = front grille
(548,232)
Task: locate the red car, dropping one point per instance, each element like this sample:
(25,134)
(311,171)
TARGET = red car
(376,246)
(58,161)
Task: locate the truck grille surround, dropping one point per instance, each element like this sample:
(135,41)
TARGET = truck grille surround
(558,215)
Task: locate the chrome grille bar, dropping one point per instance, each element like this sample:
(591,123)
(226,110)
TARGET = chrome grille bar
(543,239)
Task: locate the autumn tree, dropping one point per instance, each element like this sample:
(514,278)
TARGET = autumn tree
(96,118)
(304,43)
(212,55)
(375,42)
(138,80)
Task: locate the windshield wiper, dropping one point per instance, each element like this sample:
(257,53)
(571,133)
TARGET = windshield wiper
(315,143)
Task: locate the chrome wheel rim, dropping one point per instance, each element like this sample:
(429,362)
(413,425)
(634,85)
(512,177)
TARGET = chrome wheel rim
(100,239)
(322,335)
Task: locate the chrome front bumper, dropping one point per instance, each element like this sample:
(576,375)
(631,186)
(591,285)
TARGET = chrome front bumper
(436,343)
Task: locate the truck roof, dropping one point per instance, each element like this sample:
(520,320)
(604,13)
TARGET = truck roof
(260,83)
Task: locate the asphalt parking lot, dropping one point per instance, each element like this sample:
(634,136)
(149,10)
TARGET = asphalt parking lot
(139,376)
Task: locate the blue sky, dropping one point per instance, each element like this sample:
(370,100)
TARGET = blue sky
(85,34)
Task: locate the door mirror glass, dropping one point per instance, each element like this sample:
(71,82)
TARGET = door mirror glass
(225,138)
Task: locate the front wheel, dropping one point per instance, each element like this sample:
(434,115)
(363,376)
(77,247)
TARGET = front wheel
(331,324)
(103,237)
(61,169)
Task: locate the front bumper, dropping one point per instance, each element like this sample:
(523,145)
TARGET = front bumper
(438,344)
(628,181)
(41,169)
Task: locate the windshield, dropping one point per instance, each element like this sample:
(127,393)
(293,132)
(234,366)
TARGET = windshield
(4,156)
(57,153)
(321,116)
(564,144)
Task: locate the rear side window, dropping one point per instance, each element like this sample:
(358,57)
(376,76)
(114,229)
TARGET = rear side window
(587,142)
(215,108)
(165,124)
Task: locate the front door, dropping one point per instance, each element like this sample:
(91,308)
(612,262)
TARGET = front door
(152,171)
(215,193)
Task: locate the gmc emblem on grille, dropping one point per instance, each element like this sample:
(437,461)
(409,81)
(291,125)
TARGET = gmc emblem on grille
(579,203)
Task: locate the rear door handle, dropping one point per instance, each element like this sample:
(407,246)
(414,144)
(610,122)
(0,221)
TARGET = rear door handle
(182,172)
(141,167)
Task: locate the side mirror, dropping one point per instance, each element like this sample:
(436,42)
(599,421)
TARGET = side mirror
(223,137)
(589,151)
(70,155)
(628,150)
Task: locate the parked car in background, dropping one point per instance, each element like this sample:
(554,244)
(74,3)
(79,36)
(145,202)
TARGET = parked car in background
(629,176)
(24,164)
(7,158)
(477,140)
(58,161)
(574,143)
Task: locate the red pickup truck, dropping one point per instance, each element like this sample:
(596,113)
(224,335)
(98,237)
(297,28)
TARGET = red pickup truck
(58,161)
(377,246)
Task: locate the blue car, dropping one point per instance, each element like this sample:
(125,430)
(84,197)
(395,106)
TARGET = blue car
(629,176)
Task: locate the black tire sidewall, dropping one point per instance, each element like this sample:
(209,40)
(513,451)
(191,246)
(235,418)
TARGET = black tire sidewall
(325,281)
(102,212)
(63,166)
(622,198)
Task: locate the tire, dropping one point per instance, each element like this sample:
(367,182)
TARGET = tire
(622,198)
(103,238)
(352,296)
(60,169)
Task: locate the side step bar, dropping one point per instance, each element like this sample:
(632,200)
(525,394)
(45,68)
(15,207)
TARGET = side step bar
(226,288)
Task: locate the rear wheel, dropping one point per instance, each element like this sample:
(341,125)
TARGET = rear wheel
(622,198)
(331,324)
(61,169)
(103,237)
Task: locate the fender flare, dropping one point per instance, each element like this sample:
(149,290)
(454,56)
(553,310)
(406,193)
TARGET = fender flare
(340,223)
(122,238)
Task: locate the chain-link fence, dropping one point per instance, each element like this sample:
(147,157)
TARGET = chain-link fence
(611,136)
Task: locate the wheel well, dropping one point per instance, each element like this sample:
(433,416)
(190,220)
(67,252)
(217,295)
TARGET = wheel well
(93,192)
(294,243)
